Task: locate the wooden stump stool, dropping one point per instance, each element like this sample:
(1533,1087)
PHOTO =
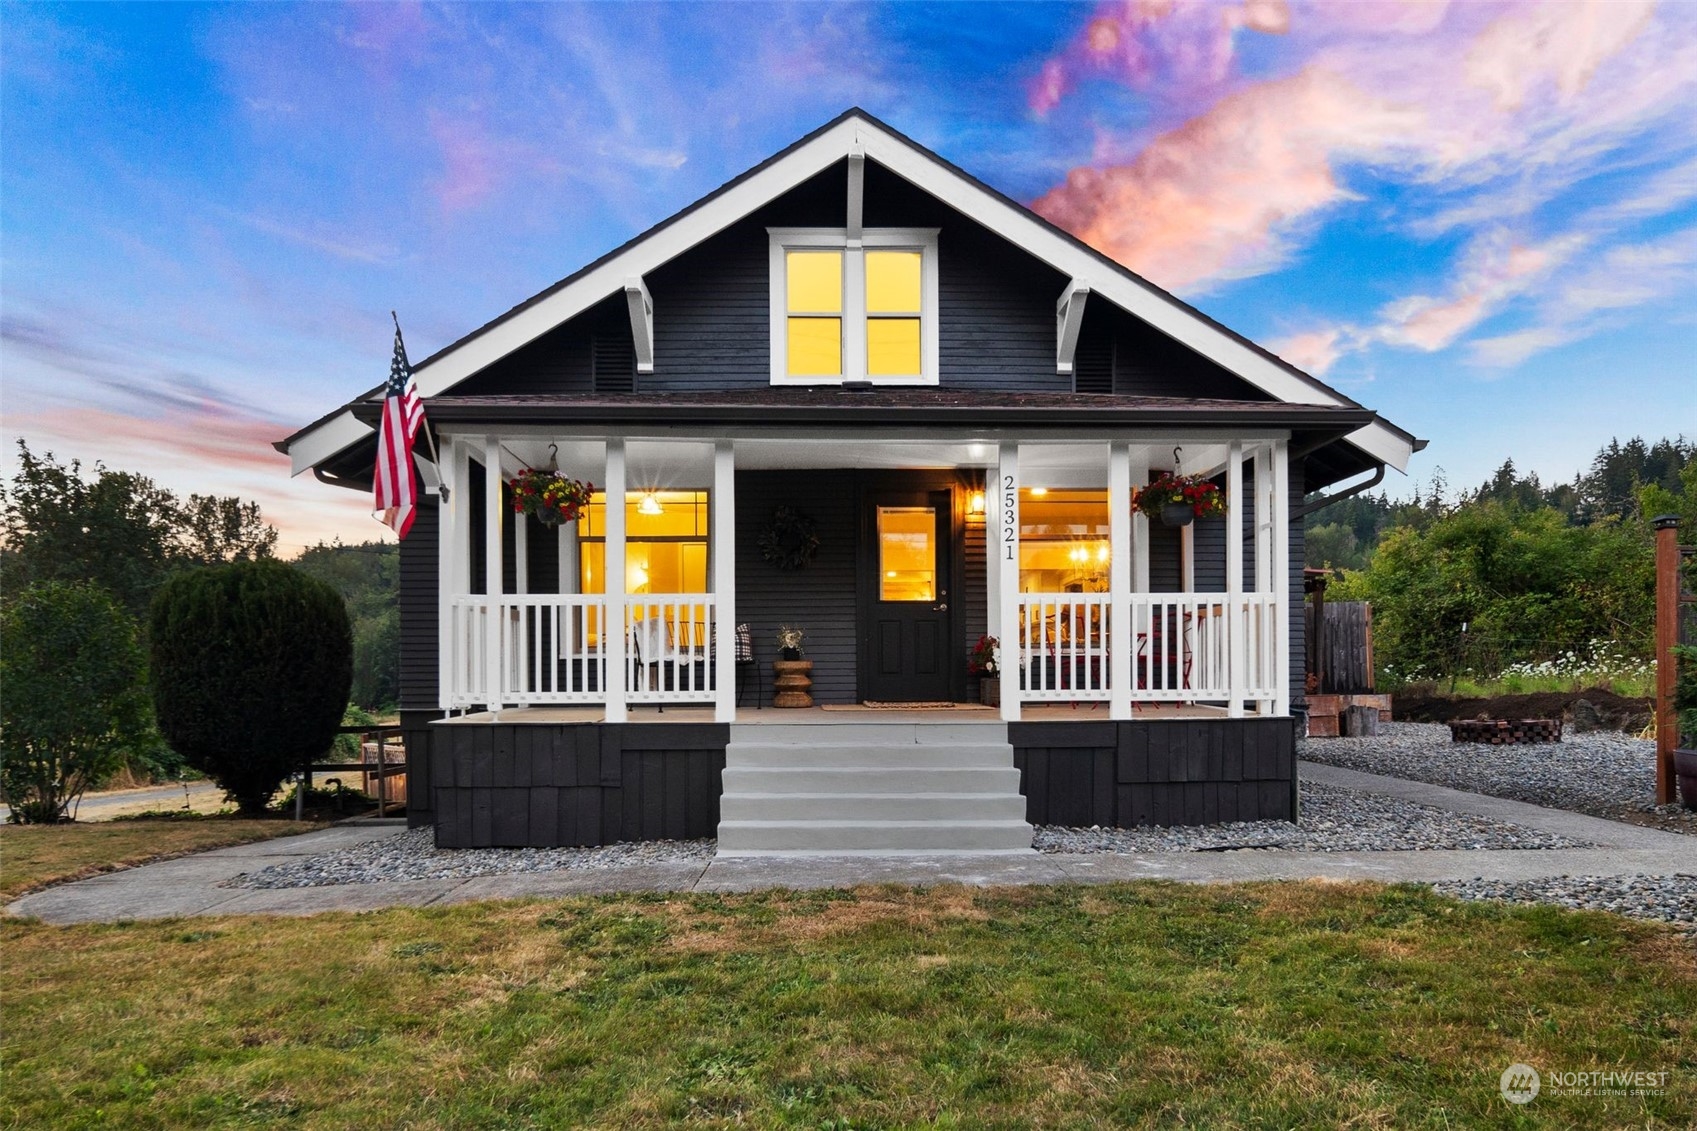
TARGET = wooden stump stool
(792,683)
(1359,722)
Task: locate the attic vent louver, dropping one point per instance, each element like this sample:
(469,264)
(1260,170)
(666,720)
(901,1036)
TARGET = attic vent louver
(1093,364)
(614,361)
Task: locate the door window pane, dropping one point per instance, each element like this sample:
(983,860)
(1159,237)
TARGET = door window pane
(907,554)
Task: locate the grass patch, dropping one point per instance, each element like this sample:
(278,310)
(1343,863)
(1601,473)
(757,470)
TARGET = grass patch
(36,856)
(1135,1005)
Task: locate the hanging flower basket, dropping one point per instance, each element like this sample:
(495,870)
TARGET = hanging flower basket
(548,495)
(1178,499)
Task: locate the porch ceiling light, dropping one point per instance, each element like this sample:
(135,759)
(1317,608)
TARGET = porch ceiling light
(650,505)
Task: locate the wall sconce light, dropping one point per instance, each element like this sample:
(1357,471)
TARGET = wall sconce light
(650,505)
(975,504)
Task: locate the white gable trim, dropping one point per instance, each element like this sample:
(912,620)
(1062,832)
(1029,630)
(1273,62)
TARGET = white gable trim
(856,135)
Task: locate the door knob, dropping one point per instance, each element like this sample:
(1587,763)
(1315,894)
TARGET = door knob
(942,608)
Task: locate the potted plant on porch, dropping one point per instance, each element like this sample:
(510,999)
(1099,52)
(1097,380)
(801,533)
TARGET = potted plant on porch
(548,495)
(984,661)
(1177,499)
(792,676)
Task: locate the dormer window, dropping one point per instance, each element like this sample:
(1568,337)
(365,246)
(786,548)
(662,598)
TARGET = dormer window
(851,310)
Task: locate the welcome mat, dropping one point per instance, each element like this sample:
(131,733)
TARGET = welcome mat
(874,705)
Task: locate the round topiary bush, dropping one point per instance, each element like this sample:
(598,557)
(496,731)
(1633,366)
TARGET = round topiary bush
(251,665)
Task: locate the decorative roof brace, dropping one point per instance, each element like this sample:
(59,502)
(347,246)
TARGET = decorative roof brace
(641,322)
(1069,317)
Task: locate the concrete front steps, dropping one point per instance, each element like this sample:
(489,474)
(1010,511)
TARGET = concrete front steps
(871,788)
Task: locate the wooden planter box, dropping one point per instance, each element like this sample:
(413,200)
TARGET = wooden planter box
(1685,769)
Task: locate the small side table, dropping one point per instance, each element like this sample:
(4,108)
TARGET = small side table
(792,683)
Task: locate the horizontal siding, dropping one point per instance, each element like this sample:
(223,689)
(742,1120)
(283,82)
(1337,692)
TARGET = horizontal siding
(821,597)
(419,609)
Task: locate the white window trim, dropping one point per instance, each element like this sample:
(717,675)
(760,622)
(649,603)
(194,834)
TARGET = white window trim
(922,240)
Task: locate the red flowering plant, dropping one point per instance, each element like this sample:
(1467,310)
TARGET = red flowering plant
(548,495)
(1202,495)
(985,657)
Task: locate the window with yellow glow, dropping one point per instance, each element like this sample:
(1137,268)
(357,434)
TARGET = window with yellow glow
(1063,541)
(893,311)
(907,554)
(814,289)
(665,542)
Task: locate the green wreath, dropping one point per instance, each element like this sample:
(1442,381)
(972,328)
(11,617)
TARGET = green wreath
(790,540)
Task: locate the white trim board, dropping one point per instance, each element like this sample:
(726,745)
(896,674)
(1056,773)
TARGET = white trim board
(856,133)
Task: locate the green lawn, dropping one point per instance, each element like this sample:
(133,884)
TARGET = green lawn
(35,856)
(1144,1005)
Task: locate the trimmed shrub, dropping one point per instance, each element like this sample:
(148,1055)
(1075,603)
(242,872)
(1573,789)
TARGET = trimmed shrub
(75,698)
(251,664)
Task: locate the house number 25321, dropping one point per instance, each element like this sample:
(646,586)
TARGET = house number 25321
(1010,515)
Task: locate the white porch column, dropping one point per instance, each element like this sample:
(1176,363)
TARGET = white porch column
(1236,638)
(1122,636)
(614,643)
(724,528)
(521,552)
(993,559)
(1263,557)
(1007,554)
(1139,523)
(493,514)
(452,544)
(1286,602)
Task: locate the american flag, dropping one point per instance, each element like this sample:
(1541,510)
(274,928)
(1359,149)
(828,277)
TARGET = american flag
(403,415)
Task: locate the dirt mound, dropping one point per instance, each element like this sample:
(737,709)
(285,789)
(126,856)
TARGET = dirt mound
(1614,712)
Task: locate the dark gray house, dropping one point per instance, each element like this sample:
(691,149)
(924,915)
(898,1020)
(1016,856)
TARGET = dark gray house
(858,392)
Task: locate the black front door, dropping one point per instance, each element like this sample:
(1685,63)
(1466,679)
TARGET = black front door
(905,571)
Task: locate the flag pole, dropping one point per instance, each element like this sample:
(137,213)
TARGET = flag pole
(429,430)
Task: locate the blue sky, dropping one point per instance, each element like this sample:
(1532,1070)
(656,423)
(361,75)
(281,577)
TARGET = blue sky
(1479,219)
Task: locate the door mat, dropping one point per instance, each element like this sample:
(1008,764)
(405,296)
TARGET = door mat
(874,705)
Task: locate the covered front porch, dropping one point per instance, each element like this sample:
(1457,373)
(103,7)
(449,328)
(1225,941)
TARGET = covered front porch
(624,616)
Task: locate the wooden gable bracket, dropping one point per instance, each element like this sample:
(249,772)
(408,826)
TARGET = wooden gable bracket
(856,193)
(641,322)
(1069,316)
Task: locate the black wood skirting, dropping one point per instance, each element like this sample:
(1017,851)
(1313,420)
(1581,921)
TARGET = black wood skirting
(547,785)
(1165,772)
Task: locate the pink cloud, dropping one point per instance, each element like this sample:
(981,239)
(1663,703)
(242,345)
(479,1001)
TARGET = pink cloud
(1176,49)
(1453,97)
(1313,351)
(1214,198)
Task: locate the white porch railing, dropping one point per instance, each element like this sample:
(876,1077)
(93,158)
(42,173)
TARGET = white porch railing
(671,654)
(1181,646)
(554,649)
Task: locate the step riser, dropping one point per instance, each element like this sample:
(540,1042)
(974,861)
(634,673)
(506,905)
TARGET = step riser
(890,807)
(794,757)
(812,735)
(737,836)
(841,780)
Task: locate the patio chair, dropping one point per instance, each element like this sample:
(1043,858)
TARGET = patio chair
(656,648)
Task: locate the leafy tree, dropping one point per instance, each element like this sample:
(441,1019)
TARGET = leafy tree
(251,664)
(75,695)
(1333,545)
(117,529)
(1489,584)
(368,577)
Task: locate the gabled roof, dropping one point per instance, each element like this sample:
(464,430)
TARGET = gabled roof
(857,131)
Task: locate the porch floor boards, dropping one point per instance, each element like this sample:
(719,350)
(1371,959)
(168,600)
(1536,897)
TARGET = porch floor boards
(789,716)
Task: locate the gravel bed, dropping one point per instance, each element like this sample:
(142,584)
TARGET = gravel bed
(413,855)
(1665,899)
(1603,773)
(1333,820)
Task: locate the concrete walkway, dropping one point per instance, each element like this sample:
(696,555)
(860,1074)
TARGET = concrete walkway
(189,885)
